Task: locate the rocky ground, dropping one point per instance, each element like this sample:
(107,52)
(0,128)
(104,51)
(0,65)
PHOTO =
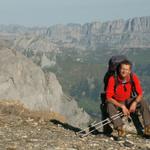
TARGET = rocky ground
(22,130)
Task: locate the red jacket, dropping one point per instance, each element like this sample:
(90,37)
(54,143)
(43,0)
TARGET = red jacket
(121,94)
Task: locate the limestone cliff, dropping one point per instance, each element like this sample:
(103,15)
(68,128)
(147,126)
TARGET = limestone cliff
(21,79)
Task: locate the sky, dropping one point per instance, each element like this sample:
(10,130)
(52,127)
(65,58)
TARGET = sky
(50,12)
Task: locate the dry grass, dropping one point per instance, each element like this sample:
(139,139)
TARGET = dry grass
(13,107)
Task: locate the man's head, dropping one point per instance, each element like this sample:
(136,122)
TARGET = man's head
(125,68)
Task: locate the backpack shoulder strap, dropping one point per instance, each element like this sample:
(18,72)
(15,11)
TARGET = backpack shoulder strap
(131,80)
(133,92)
(116,81)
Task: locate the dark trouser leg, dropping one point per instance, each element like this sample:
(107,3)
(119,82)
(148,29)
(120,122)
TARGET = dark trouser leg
(106,128)
(112,110)
(137,123)
(145,112)
(103,107)
(134,115)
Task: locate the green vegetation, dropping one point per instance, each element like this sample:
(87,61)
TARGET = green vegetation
(92,107)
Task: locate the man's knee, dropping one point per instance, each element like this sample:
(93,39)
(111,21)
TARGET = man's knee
(110,105)
(143,102)
(111,108)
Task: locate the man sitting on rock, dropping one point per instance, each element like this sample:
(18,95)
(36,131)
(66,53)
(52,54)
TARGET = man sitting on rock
(120,98)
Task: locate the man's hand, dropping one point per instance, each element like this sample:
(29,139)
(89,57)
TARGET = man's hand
(133,107)
(125,110)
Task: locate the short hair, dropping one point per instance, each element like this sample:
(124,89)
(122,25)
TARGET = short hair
(125,62)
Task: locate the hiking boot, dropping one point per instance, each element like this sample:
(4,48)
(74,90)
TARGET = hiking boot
(121,132)
(107,130)
(147,131)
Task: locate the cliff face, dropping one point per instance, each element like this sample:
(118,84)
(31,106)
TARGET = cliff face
(108,33)
(22,80)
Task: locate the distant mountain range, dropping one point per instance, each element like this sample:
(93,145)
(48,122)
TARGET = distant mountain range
(131,33)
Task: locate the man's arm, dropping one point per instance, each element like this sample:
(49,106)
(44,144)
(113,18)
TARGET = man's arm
(122,106)
(138,99)
(135,102)
(139,93)
(115,102)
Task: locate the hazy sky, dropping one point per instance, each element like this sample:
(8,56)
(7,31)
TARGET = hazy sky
(49,12)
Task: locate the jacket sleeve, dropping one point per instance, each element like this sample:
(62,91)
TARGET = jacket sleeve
(110,88)
(137,83)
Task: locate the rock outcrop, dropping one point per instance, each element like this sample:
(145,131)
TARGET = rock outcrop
(21,79)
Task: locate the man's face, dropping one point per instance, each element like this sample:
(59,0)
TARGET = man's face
(125,70)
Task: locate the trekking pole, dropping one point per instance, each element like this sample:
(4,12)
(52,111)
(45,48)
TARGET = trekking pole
(101,122)
(109,121)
